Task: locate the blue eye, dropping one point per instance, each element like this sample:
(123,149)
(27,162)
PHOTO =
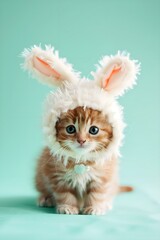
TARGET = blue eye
(71,129)
(93,130)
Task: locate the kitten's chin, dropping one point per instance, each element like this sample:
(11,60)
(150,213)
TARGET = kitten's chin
(82,150)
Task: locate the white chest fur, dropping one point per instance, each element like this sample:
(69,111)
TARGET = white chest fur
(79,176)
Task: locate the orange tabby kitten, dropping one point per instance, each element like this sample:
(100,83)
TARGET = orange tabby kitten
(83,125)
(86,186)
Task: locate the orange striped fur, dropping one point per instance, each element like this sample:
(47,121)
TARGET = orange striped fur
(91,192)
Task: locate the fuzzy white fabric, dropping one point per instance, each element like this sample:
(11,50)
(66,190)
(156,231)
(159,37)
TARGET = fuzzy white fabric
(52,58)
(121,81)
(74,91)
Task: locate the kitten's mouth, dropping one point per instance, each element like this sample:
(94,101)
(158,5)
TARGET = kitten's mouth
(82,146)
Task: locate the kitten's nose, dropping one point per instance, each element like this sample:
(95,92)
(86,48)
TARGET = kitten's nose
(80,141)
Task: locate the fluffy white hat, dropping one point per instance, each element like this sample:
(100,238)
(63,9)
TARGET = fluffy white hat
(114,75)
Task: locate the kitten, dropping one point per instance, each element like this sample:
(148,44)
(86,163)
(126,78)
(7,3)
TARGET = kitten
(83,125)
(85,186)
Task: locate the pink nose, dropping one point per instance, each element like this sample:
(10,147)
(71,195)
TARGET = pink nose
(80,141)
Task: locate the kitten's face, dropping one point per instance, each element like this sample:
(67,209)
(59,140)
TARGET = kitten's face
(83,131)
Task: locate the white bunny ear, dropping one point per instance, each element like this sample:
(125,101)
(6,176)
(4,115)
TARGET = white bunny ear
(116,73)
(46,66)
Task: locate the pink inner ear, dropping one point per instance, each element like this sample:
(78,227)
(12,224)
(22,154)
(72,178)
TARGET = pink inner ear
(44,68)
(113,72)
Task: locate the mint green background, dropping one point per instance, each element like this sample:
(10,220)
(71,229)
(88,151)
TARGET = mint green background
(83,31)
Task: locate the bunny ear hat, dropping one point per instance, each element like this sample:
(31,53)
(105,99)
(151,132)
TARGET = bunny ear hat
(113,76)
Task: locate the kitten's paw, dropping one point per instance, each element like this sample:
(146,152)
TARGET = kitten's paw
(44,201)
(93,210)
(67,209)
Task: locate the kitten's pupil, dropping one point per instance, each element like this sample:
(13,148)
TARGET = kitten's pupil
(93,130)
(71,129)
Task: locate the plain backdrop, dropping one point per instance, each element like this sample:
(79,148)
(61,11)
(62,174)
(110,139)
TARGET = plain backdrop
(83,31)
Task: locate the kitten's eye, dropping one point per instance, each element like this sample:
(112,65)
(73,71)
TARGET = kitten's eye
(93,130)
(71,129)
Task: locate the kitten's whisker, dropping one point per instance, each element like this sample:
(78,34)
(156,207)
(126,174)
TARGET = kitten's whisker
(48,160)
(58,150)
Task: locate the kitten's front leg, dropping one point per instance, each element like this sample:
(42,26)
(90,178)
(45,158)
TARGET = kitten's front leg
(66,202)
(98,200)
